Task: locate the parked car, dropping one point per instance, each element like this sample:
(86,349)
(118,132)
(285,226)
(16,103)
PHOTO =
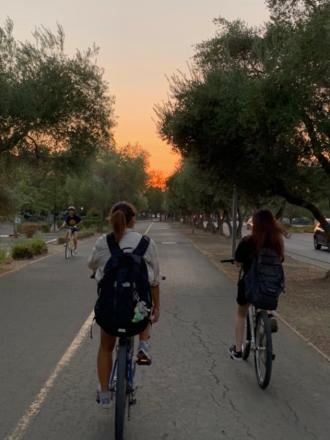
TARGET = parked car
(320,237)
(301,221)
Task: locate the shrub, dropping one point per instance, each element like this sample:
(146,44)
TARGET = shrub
(45,227)
(29,229)
(29,248)
(82,234)
(89,222)
(4,256)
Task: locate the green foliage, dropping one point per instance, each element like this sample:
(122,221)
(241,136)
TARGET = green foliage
(115,175)
(49,98)
(155,199)
(28,249)
(4,256)
(255,111)
(82,234)
(55,113)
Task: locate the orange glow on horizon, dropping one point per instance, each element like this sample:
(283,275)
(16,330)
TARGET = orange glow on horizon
(157,179)
(161,156)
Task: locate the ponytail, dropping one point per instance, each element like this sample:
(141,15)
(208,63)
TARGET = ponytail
(121,215)
(118,222)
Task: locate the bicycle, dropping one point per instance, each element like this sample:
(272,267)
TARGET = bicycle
(122,380)
(259,340)
(122,385)
(69,249)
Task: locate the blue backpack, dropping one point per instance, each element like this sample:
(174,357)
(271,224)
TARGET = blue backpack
(264,282)
(124,303)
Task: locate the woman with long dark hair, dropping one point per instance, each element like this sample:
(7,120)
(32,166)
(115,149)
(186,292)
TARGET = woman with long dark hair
(266,233)
(122,219)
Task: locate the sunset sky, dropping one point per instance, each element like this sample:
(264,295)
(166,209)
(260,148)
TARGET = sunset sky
(141,42)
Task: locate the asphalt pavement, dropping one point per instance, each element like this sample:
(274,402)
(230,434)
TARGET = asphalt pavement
(193,390)
(301,247)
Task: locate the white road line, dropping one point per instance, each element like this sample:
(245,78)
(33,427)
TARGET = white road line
(51,241)
(36,405)
(148,229)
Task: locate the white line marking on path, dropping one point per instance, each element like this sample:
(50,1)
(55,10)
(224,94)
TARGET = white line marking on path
(51,241)
(148,229)
(35,406)
(285,322)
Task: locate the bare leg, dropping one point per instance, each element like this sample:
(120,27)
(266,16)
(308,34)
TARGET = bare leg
(242,312)
(75,240)
(145,335)
(104,359)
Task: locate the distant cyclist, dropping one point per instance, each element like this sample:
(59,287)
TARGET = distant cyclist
(122,220)
(266,233)
(72,221)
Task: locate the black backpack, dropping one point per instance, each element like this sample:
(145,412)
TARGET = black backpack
(264,282)
(124,303)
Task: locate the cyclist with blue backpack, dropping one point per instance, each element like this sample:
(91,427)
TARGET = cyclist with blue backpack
(260,256)
(126,268)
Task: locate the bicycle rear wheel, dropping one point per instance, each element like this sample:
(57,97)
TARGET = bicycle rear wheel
(247,345)
(121,390)
(66,250)
(263,355)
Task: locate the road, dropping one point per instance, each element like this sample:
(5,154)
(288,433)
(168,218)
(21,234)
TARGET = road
(301,247)
(193,391)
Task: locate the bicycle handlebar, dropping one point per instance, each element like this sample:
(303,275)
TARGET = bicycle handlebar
(229,260)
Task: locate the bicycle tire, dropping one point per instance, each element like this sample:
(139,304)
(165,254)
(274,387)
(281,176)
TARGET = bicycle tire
(263,355)
(71,247)
(247,345)
(121,391)
(66,251)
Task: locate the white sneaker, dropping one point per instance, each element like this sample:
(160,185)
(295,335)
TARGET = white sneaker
(104,399)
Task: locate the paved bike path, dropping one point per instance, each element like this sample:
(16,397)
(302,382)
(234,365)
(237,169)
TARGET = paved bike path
(192,391)
(42,307)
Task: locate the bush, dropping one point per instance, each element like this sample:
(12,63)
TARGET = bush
(29,249)
(81,235)
(4,256)
(89,222)
(29,229)
(45,227)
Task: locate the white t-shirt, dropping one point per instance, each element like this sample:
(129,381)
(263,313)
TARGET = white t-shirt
(101,254)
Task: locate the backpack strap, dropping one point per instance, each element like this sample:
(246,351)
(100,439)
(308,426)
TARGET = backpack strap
(113,245)
(142,247)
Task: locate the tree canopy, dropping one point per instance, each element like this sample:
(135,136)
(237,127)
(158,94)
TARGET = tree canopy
(50,102)
(255,109)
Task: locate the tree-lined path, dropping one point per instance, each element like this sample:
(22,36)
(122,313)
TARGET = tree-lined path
(192,391)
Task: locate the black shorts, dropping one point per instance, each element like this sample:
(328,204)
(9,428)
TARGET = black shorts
(241,299)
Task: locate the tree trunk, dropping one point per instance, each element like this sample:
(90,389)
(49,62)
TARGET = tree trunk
(240,222)
(280,212)
(299,201)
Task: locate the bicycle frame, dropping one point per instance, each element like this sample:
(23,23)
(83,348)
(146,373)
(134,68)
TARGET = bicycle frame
(252,320)
(130,372)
